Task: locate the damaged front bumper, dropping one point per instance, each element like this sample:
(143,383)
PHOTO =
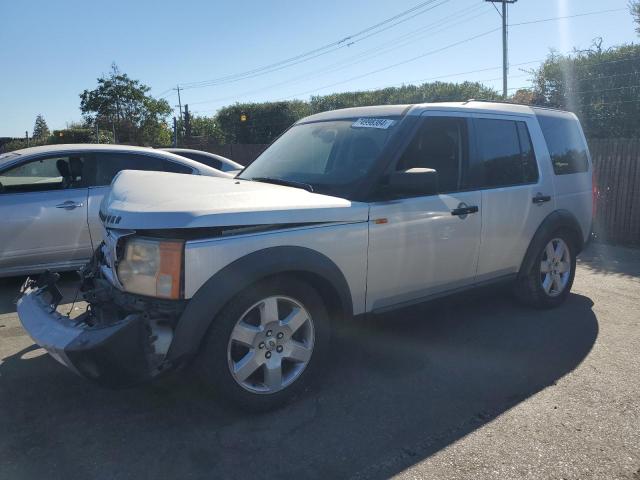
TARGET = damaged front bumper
(119,341)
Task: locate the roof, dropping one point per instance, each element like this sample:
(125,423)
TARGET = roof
(476,106)
(354,112)
(100,147)
(472,106)
(192,150)
(80,147)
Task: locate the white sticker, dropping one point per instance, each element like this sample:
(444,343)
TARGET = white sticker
(382,123)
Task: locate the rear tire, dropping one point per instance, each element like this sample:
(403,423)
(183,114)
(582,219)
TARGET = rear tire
(548,280)
(266,344)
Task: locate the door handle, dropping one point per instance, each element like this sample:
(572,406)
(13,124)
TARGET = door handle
(463,210)
(539,199)
(69,205)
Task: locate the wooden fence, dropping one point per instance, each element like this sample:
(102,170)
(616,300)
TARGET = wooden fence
(617,175)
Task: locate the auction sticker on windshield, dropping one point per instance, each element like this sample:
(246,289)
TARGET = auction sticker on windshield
(382,123)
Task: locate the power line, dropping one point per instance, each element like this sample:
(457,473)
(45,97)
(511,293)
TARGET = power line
(552,19)
(417,7)
(344,42)
(412,59)
(631,57)
(359,58)
(441,49)
(378,53)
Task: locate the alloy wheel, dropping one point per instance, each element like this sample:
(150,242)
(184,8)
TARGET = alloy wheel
(555,267)
(270,345)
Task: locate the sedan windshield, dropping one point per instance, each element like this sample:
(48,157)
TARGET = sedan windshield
(326,156)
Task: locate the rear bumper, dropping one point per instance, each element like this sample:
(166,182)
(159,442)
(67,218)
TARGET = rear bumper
(112,355)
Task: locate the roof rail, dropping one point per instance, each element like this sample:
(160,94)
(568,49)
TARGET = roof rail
(487,100)
(541,107)
(554,109)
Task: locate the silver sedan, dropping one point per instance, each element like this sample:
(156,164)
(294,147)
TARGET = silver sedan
(211,159)
(50,199)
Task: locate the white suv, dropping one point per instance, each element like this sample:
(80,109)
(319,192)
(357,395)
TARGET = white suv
(349,212)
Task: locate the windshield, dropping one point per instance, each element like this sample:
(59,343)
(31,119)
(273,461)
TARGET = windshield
(328,155)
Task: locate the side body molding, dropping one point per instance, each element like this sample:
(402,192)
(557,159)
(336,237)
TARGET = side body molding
(228,282)
(558,219)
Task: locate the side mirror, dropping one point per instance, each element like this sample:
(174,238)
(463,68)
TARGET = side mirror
(420,181)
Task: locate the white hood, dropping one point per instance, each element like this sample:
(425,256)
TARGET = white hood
(159,200)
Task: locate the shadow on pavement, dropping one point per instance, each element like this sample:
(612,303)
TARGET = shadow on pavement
(602,258)
(396,390)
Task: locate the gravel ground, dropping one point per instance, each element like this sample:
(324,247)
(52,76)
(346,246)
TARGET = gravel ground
(471,387)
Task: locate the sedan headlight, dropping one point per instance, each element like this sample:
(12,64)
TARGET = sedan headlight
(152,267)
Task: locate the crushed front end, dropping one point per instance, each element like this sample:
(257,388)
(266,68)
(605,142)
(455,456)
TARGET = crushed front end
(121,339)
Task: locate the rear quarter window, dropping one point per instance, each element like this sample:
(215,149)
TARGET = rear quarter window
(566,145)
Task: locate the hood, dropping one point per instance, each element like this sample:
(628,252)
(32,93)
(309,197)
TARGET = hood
(159,200)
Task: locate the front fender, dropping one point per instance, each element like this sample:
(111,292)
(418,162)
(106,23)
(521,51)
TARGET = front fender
(216,292)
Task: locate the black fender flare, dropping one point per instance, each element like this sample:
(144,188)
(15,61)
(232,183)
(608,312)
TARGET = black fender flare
(556,220)
(216,292)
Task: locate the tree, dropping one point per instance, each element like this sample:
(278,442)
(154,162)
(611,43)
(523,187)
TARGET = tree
(40,129)
(600,86)
(206,127)
(123,105)
(634,8)
(427,92)
(259,122)
(201,128)
(263,122)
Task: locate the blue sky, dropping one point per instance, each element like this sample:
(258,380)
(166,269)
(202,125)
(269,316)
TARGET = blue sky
(52,51)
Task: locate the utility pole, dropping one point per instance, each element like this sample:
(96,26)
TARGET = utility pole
(179,108)
(179,101)
(187,121)
(505,43)
(175,133)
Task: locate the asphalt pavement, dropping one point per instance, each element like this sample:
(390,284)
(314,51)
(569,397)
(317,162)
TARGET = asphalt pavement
(475,386)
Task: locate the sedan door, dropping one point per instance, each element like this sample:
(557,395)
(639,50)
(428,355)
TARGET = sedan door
(43,215)
(421,246)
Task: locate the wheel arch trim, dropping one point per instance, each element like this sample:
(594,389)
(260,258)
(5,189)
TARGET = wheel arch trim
(556,220)
(221,287)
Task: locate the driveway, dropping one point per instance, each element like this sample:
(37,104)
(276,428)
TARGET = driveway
(475,386)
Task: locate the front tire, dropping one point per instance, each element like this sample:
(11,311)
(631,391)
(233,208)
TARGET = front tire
(265,345)
(549,279)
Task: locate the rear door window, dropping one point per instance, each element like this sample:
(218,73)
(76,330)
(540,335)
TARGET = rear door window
(566,145)
(506,153)
(109,164)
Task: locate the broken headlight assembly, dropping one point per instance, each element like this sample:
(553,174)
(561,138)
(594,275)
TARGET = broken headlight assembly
(152,267)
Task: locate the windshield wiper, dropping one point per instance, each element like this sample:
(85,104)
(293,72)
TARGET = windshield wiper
(282,181)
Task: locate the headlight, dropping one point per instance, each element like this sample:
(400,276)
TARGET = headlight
(152,267)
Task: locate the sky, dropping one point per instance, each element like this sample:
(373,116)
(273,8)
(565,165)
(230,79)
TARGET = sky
(52,51)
